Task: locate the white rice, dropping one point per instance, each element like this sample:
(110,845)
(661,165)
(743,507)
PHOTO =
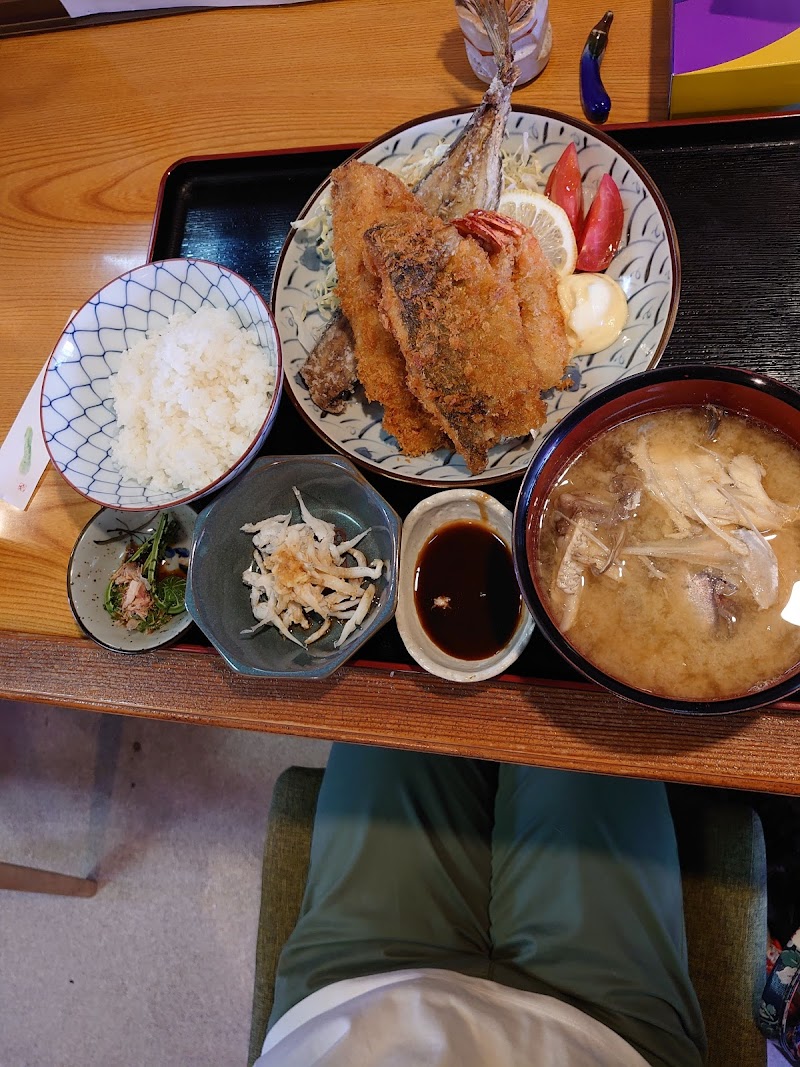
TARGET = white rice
(189,400)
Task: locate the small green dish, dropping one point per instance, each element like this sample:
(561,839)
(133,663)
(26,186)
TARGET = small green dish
(99,550)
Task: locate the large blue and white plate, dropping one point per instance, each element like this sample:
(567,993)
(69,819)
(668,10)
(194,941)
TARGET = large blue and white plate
(647,267)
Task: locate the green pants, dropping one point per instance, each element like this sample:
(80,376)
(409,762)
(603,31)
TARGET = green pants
(549,881)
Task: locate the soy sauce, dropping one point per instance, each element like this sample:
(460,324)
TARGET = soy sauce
(465,591)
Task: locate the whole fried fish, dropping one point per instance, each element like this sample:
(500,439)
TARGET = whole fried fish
(468,176)
(482,332)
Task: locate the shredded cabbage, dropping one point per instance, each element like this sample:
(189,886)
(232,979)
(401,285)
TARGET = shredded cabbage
(416,166)
(521,169)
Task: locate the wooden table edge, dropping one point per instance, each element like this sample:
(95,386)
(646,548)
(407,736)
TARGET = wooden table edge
(508,721)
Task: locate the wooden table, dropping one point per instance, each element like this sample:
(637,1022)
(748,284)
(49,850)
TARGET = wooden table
(90,121)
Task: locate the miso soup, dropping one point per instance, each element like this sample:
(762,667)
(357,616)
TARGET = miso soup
(669,554)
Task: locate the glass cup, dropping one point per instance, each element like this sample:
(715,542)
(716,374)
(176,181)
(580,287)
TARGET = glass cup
(531,39)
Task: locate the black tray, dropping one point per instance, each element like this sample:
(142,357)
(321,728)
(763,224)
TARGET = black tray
(731,186)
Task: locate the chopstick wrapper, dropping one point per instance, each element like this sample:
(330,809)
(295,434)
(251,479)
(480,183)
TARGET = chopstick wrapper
(79,8)
(23,455)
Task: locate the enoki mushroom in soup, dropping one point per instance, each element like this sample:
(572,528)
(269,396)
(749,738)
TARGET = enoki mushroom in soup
(670,550)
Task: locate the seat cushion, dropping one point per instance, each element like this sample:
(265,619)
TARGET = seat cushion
(283,880)
(724,871)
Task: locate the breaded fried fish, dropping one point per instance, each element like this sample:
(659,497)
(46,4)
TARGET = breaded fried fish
(468,176)
(480,344)
(363,196)
(330,370)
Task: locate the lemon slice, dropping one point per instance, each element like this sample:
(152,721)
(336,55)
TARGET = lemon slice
(550,224)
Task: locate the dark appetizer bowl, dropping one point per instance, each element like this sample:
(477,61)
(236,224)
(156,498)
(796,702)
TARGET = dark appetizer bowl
(216,596)
(754,396)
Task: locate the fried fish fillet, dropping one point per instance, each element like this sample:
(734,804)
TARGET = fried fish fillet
(364,196)
(468,176)
(482,333)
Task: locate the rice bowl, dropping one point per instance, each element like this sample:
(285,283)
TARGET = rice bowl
(164,423)
(189,399)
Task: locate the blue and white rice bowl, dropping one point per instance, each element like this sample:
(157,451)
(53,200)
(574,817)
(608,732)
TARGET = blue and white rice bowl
(79,421)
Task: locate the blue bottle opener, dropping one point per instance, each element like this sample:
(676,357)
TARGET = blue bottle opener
(595,100)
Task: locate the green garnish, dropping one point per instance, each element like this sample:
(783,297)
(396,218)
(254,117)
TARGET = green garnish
(155,599)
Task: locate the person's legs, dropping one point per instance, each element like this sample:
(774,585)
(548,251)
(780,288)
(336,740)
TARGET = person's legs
(400,871)
(587,905)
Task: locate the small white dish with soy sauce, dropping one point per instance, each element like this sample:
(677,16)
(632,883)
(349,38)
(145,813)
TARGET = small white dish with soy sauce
(460,612)
(108,540)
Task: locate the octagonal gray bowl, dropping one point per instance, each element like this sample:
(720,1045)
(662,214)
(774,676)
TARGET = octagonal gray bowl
(218,600)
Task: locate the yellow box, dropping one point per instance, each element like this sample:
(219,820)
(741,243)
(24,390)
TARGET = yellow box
(734,56)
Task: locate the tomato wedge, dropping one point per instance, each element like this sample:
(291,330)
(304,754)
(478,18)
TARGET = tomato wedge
(564,187)
(603,230)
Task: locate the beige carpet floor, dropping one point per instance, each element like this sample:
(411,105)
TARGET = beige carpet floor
(156,970)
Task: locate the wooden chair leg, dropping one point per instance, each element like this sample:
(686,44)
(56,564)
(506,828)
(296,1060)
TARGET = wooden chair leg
(33,880)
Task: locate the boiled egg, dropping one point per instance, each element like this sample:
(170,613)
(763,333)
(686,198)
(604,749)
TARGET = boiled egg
(596,310)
